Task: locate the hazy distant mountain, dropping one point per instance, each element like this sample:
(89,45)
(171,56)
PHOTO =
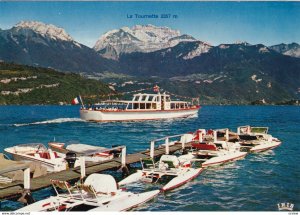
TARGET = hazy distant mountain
(139,38)
(292,49)
(39,44)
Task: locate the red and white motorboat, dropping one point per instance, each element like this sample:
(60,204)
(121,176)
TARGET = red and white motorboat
(91,153)
(210,151)
(143,106)
(168,165)
(217,153)
(36,152)
(256,139)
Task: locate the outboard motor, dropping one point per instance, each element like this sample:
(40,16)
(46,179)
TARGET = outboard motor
(116,152)
(71,159)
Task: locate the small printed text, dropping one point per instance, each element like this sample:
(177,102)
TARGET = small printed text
(152,16)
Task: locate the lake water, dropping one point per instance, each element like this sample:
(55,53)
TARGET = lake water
(257,183)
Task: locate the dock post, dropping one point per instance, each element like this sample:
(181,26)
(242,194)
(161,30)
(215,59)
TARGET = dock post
(215,136)
(200,137)
(123,156)
(226,134)
(26,197)
(152,149)
(238,130)
(167,146)
(27,179)
(183,139)
(248,129)
(82,167)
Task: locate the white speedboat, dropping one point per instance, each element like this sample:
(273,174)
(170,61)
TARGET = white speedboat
(215,153)
(256,139)
(168,165)
(37,152)
(142,107)
(91,153)
(99,192)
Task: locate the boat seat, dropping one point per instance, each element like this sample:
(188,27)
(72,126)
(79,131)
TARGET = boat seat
(44,155)
(210,132)
(52,155)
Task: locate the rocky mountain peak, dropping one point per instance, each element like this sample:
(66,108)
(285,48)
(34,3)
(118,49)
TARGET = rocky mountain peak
(46,30)
(139,38)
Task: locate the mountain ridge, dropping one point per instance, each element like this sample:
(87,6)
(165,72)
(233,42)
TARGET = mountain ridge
(215,71)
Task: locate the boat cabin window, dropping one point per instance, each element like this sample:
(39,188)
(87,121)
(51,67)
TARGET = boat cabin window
(142,106)
(135,98)
(168,98)
(150,98)
(129,106)
(143,98)
(148,106)
(135,106)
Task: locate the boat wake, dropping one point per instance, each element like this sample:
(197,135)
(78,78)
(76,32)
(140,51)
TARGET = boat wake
(59,120)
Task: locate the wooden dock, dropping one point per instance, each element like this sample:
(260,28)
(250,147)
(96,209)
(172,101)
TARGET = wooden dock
(15,189)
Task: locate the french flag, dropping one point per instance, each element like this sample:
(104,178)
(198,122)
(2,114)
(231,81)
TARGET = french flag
(76,101)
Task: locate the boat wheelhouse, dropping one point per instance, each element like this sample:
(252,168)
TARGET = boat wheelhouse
(143,106)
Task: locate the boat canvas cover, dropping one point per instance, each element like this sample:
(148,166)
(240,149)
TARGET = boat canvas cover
(85,149)
(102,183)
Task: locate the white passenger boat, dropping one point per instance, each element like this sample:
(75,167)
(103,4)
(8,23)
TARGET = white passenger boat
(37,152)
(99,192)
(168,165)
(91,153)
(256,139)
(142,107)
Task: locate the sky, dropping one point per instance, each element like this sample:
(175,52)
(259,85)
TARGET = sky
(268,23)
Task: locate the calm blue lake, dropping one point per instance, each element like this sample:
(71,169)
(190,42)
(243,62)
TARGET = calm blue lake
(257,183)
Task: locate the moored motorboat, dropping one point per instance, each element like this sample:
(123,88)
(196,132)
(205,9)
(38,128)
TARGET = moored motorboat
(90,152)
(256,139)
(99,192)
(217,153)
(168,165)
(210,151)
(36,152)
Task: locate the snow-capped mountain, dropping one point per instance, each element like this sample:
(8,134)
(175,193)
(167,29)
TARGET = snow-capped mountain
(292,49)
(36,43)
(46,30)
(139,38)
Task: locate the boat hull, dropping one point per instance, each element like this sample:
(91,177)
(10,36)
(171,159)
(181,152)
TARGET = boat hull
(129,202)
(123,203)
(224,159)
(182,179)
(265,147)
(51,167)
(99,116)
